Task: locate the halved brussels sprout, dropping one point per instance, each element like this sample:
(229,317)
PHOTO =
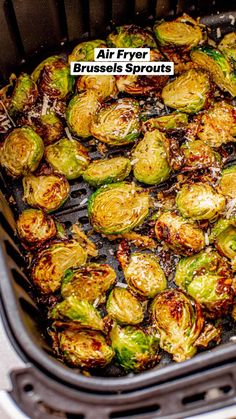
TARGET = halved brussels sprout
(183,32)
(198,155)
(49,127)
(207,278)
(144,275)
(223,234)
(34,227)
(48,192)
(199,201)
(135,349)
(218,66)
(218,125)
(123,307)
(173,121)
(103,86)
(68,157)
(88,283)
(85,349)
(49,266)
(53,77)
(151,158)
(188,92)
(131,36)
(24,95)
(101,172)
(228,46)
(181,235)
(227,183)
(85,50)
(21,151)
(81,312)
(81,112)
(179,320)
(117,123)
(118,208)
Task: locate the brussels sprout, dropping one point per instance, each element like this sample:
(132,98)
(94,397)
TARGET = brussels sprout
(183,33)
(228,46)
(224,235)
(21,151)
(144,275)
(82,313)
(68,157)
(218,125)
(207,277)
(131,36)
(48,192)
(24,95)
(118,208)
(88,283)
(85,349)
(117,123)
(105,171)
(151,158)
(188,92)
(34,227)
(218,66)
(85,50)
(199,201)
(140,85)
(135,350)
(173,121)
(179,321)
(198,155)
(103,86)
(53,77)
(49,266)
(227,183)
(49,127)
(81,112)
(123,307)
(182,236)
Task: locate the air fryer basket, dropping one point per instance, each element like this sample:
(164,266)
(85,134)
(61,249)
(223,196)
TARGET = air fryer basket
(30,31)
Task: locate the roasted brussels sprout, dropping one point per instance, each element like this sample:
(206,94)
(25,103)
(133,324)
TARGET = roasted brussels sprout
(81,112)
(49,127)
(123,307)
(103,86)
(101,172)
(223,234)
(85,50)
(218,125)
(183,32)
(88,283)
(228,46)
(135,350)
(21,151)
(34,227)
(227,183)
(85,349)
(117,123)
(173,121)
(24,95)
(118,208)
(151,158)
(47,192)
(199,155)
(207,278)
(80,312)
(181,235)
(49,266)
(199,201)
(131,36)
(188,92)
(144,275)
(218,66)
(68,157)
(179,321)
